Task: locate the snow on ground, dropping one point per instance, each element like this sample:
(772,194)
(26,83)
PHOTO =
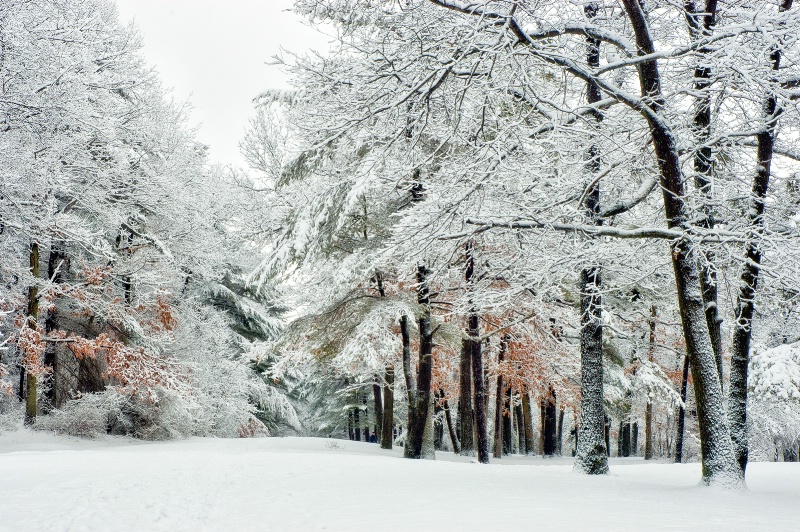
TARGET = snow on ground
(54,483)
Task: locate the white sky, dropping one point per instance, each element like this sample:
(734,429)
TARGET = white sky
(213,53)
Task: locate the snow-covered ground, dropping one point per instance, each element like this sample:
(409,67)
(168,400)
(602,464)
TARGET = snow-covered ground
(54,483)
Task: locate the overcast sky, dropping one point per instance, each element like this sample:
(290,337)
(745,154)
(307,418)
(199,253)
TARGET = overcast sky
(213,53)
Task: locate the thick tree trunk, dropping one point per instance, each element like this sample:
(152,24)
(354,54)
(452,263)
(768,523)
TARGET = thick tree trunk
(498,416)
(388,409)
(682,411)
(466,419)
(478,383)
(57,263)
(520,421)
(748,281)
(560,435)
(626,439)
(356,424)
(32,322)
(635,439)
(700,26)
(592,456)
(550,424)
(507,425)
(526,413)
(419,410)
(718,458)
(376,395)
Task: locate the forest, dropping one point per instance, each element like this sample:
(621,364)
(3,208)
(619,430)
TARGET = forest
(493,229)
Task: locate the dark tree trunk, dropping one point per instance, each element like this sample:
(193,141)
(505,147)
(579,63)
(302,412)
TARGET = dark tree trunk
(507,425)
(607,425)
(619,438)
(550,424)
(408,374)
(526,413)
(450,427)
(418,411)
(57,264)
(350,431)
(498,407)
(388,409)
(542,410)
(635,439)
(591,457)
(478,383)
(465,416)
(718,457)
(700,26)
(648,412)
(357,424)
(438,429)
(520,420)
(682,411)
(376,395)
(32,322)
(748,281)
(560,437)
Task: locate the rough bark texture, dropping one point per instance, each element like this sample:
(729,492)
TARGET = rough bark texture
(748,281)
(507,425)
(718,458)
(549,436)
(520,422)
(419,410)
(450,426)
(498,412)
(682,411)
(466,419)
(700,26)
(32,322)
(591,456)
(388,408)
(648,412)
(478,384)
(526,413)
(376,395)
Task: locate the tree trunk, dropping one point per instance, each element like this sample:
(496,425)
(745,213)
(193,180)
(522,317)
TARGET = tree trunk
(682,411)
(350,432)
(57,263)
(450,427)
(428,451)
(560,436)
(32,322)
(520,419)
(507,425)
(419,410)
(591,456)
(718,458)
(473,329)
(357,424)
(465,416)
(748,281)
(526,413)
(388,409)
(498,407)
(648,412)
(550,424)
(376,395)
(635,439)
(700,26)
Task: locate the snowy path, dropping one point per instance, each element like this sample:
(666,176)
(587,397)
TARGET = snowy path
(49,483)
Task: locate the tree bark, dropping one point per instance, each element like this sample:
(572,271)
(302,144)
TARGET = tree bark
(466,419)
(32,322)
(376,395)
(748,281)
(498,407)
(592,456)
(450,427)
(520,421)
(550,424)
(419,409)
(718,459)
(648,412)
(560,435)
(478,384)
(700,26)
(388,408)
(507,425)
(526,413)
(682,411)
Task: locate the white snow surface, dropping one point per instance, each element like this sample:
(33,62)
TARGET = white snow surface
(54,483)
